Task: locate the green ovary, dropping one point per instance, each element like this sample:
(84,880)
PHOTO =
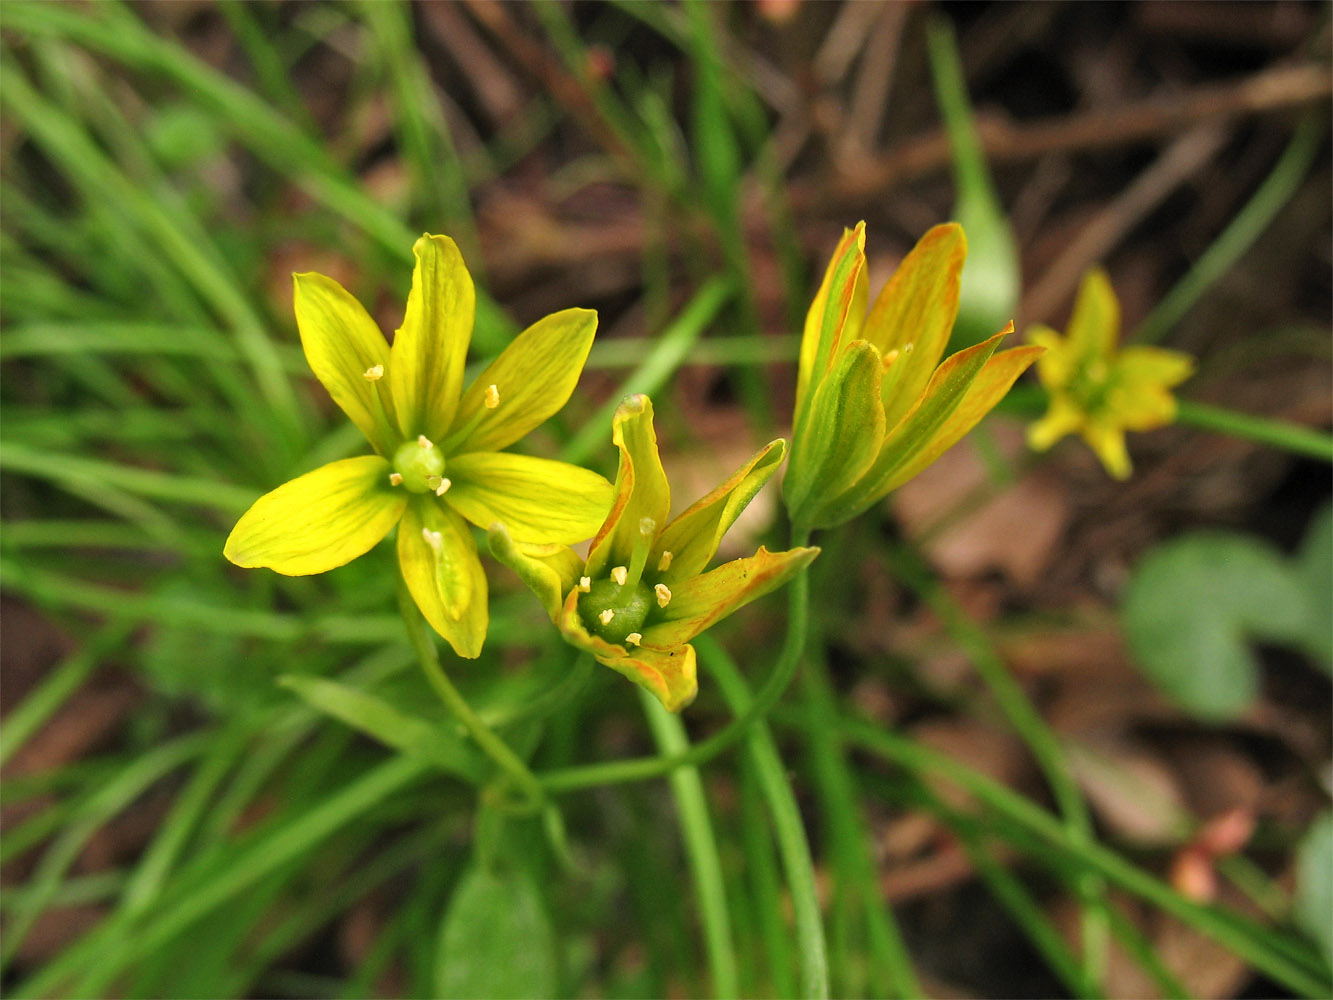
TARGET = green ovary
(629,606)
(420,467)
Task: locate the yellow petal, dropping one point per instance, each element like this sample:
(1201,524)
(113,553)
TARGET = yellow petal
(537,499)
(443,573)
(550,571)
(430,348)
(1056,367)
(1064,416)
(841,297)
(533,378)
(1094,325)
(918,307)
(987,389)
(641,489)
(1156,365)
(341,344)
(699,602)
(670,674)
(841,437)
(1108,442)
(320,520)
(693,537)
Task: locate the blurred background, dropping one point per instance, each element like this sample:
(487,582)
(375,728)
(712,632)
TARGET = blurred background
(177,822)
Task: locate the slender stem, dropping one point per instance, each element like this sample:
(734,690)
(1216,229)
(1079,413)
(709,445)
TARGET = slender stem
(494,747)
(1278,433)
(1040,740)
(1240,234)
(788,827)
(701,846)
(644,768)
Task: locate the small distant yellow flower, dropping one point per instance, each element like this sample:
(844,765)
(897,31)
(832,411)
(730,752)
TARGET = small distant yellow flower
(874,405)
(408,400)
(642,593)
(1100,391)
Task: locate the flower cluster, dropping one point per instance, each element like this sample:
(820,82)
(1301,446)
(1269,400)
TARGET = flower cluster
(1100,391)
(873,404)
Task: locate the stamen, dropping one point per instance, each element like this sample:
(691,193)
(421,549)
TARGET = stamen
(374,373)
(434,539)
(606,616)
(492,399)
(395,479)
(443,488)
(663,593)
(620,574)
(585,584)
(634,638)
(425,442)
(664,563)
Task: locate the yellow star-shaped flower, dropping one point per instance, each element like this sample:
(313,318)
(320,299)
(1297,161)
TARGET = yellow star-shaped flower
(438,463)
(1099,391)
(643,593)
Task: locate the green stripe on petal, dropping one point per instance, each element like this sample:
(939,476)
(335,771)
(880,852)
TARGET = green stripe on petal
(641,489)
(843,434)
(533,379)
(550,571)
(318,521)
(989,387)
(699,602)
(537,499)
(438,559)
(430,349)
(342,343)
(693,537)
(915,312)
(835,315)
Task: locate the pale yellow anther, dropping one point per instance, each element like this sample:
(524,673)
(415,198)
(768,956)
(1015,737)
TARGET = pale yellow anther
(620,574)
(606,616)
(664,563)
(634,638)
(443,488)
(434,539)
(891,357)
(425,442)
(492,399)
(647,525)
(585,584)
(374,373)
(909,348)
(395,479)
(663,593)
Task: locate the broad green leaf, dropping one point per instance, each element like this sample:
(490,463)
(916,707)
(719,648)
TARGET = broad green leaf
(1313,905)
(414,736)
(320,520)
(538,499)
(533,379)
(1190,608)
(430,348)
(496,942)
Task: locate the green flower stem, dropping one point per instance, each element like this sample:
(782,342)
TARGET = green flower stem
(850,840)
(642,768)
(1240,234)
(1032,729)
(494,747)
(1297,969)
(701,845)
(788,827)
(1264,430)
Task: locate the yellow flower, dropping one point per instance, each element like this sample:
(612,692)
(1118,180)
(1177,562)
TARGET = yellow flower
(438,461)
(1099,391)
(874,405)
(642,594)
